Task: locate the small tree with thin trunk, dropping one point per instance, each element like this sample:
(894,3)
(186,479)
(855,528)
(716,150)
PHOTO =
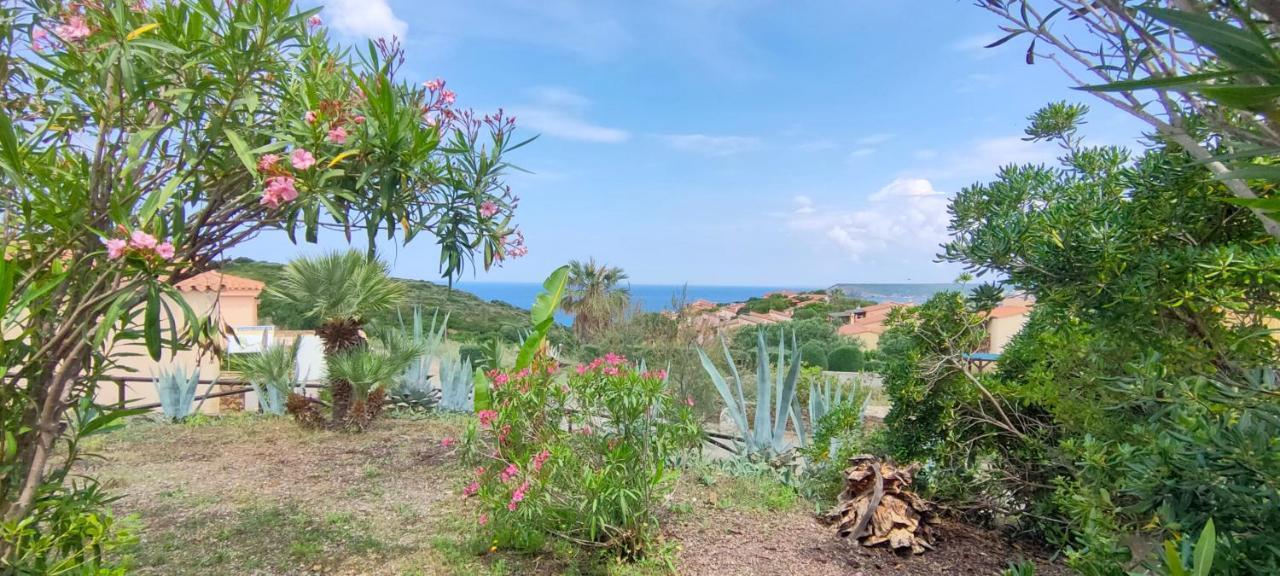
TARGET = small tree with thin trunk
(138,143)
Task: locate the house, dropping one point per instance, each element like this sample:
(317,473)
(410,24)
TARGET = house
(232,301)
(1006,320)
(866,323)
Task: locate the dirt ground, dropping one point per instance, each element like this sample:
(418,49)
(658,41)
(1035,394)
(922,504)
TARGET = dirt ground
(258,496)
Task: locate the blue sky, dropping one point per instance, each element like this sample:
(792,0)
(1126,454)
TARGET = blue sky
(736,142)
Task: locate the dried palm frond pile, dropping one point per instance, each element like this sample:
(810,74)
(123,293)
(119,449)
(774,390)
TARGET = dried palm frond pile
(877,506)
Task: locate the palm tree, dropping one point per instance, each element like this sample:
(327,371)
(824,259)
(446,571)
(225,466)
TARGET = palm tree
(594,297)
(340,290)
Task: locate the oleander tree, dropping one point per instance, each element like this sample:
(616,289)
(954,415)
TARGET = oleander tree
(138,143)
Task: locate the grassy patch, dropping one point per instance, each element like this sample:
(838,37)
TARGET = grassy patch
(276,538)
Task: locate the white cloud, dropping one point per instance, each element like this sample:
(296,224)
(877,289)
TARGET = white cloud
(906,219)
(711,145)
(874,139)
(982,158)
(366,18)
(558,112)
(975,46)
(861,153)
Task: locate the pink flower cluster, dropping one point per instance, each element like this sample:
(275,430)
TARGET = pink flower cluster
(488,209)
(539,460)
(487,417)
(315,21)
(512,246)
(74,29)
(140,243)
(518,496)
(511,472)
(448,443)
(281,186)
(439,103)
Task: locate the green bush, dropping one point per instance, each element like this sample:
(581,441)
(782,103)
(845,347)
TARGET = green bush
(582,457)
(845,359)
(475,353)
(814,354)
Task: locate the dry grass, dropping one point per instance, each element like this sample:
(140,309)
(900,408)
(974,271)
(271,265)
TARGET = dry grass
(259,496)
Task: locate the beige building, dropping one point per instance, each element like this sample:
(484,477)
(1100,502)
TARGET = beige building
(1003,323)
(232,301)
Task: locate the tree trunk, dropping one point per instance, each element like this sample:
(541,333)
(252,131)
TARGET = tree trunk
(877,507)
(340,336)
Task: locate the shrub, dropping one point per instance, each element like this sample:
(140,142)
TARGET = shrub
(814,354)
(582,456)
(845,359)
(475,353)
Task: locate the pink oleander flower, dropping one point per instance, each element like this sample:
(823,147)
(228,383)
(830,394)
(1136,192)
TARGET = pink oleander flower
(314,21)
(142,241)
(471,489)
(479,471)
(301,159)
(689,401)
(310,117)
(502,434)
(358,119)
(540,459)
(279,190)
(338,135)
(500,379)
(165,250)
(581,368)
(518,496)
(429,119)
(73,30)
(509,473)
(448,96)
(116,247)
(610,371)
(488,209)
(39,40)
(484,519)
(487,417)
(447,442)
(267,162)
(613,359)
(433,85)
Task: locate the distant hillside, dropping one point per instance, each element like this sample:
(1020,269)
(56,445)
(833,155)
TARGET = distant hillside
(470,318)
(915,293)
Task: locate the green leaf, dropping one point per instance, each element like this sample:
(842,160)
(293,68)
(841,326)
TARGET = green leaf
(546,303)
(1233,45)
(532,344)
(157,199)
(242,150)
(151,323)
(1256,98)
(1173,560)
(1264,204)
(9,150)
(1205,549)
(1271,173)
(1154,82)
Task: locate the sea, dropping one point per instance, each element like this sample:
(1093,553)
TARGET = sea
(659,297)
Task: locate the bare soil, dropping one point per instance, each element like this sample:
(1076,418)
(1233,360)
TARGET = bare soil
(258,496)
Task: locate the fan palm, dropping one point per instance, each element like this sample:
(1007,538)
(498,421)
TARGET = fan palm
(594,297)
(341,290)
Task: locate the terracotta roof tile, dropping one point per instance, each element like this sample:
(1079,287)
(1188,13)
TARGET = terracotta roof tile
(214,281)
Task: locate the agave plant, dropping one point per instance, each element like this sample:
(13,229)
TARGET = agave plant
(272,373)
(457,385)
(775,398)
(431,340)
(177,390)
(829,394)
